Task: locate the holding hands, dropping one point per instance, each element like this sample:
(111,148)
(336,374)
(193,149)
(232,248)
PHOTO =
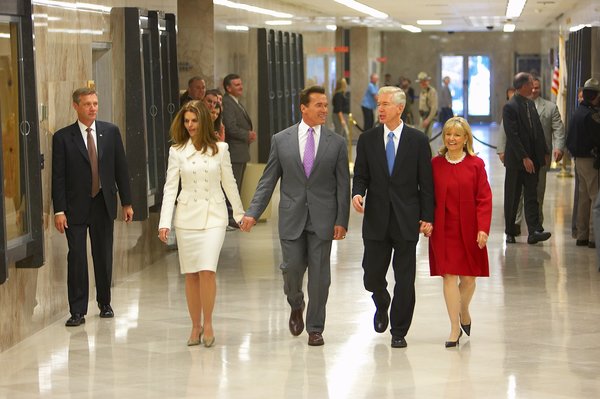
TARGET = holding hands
(247,223)
(426,228)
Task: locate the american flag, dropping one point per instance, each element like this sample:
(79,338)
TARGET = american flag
(555,81)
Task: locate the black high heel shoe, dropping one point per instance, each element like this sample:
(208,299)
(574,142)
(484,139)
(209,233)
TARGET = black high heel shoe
(452,344)
(466,328)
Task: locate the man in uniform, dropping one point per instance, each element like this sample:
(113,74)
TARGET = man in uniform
(428,104)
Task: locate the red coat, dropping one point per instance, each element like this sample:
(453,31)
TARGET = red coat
(453,246)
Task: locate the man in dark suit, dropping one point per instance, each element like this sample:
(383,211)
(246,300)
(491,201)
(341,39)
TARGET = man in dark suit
(88,168)
(393,187)
(239,133)
(312,163)
(526,152)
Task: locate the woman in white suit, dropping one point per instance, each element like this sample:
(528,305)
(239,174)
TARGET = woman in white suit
(203,165)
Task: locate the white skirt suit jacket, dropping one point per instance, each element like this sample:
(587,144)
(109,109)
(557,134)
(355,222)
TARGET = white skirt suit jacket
(201,202)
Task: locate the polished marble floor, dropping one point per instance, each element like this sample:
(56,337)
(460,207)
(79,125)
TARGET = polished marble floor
(535,334)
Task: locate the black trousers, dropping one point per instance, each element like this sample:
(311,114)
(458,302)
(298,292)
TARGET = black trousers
(101,228)
(368,118)
(376,261)
(515,180)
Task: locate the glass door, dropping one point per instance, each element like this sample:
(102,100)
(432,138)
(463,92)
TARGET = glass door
(470,85)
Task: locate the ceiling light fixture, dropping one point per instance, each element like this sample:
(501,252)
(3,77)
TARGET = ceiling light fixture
(411,28)
(73,6)
(509,28)
(249,8)
(429,22)
(237,28)
(355,5)
(331,27)
(515,8)
(279,22)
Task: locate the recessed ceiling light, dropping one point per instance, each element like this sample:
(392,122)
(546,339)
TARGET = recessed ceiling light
(249,8)
(331,27)
(279,22)
(411,28)
(429,22)
(355,5)
(509,27)
(238,28)
(515,8)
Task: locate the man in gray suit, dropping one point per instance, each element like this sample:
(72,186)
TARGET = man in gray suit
(238,126)
(312,163)
(554,133)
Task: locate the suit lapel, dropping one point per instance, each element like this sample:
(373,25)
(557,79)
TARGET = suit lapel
(324,141)
(78,141)
(380,150)
(100,132)
(294,146)
(403,149)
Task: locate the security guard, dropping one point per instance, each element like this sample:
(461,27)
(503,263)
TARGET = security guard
(428,104)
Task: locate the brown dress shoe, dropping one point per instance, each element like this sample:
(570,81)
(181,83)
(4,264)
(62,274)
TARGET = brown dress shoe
(296,322)
(315,339)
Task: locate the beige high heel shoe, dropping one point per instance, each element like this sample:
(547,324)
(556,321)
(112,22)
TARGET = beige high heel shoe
(196,341)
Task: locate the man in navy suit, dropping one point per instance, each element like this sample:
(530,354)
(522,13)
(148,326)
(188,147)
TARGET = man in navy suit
(88,169)
(393,187)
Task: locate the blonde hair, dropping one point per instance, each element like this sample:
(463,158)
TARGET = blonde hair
(461,125)
(340,85)
(204,138)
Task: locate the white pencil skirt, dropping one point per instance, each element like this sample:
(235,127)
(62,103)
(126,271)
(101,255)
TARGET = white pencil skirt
(199,249)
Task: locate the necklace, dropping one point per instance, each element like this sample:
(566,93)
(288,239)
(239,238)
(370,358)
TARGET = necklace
(455,161)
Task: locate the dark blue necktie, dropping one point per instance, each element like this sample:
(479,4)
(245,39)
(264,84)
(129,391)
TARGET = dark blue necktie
(390,152)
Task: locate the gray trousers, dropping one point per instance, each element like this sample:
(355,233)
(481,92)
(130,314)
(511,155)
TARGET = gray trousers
(307,252)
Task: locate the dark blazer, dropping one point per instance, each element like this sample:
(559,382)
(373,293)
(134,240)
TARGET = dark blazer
(237,126)
(72,175)
(409,189)
(323,195)
(521,141)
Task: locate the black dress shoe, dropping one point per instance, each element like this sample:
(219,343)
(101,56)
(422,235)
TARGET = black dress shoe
(315,339)
(452,344)
(398,342)
(381,320)
(106,311)
(538,236)
(75,320)
(517,230)
(466,328)
(296,322)
(510,239)
(582,243)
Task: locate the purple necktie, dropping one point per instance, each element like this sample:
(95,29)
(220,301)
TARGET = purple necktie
(309,152)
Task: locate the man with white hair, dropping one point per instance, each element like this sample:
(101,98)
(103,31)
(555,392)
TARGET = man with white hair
(393,187)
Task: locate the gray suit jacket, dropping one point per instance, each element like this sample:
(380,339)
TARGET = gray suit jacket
(554,130)
(325,195)
(237,126)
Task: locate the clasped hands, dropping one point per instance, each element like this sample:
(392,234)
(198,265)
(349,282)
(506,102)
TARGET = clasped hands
(247,222)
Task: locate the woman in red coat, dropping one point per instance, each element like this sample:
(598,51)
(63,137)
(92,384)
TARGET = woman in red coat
(463,213)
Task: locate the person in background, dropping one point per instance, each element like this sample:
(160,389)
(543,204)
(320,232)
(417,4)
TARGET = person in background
(341,107)
(428,104)
(583,142)
(463,214)
(203,166)
(89,167)
(445,101)
(409,93)
(369,102)
(526,151)
(195,91)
